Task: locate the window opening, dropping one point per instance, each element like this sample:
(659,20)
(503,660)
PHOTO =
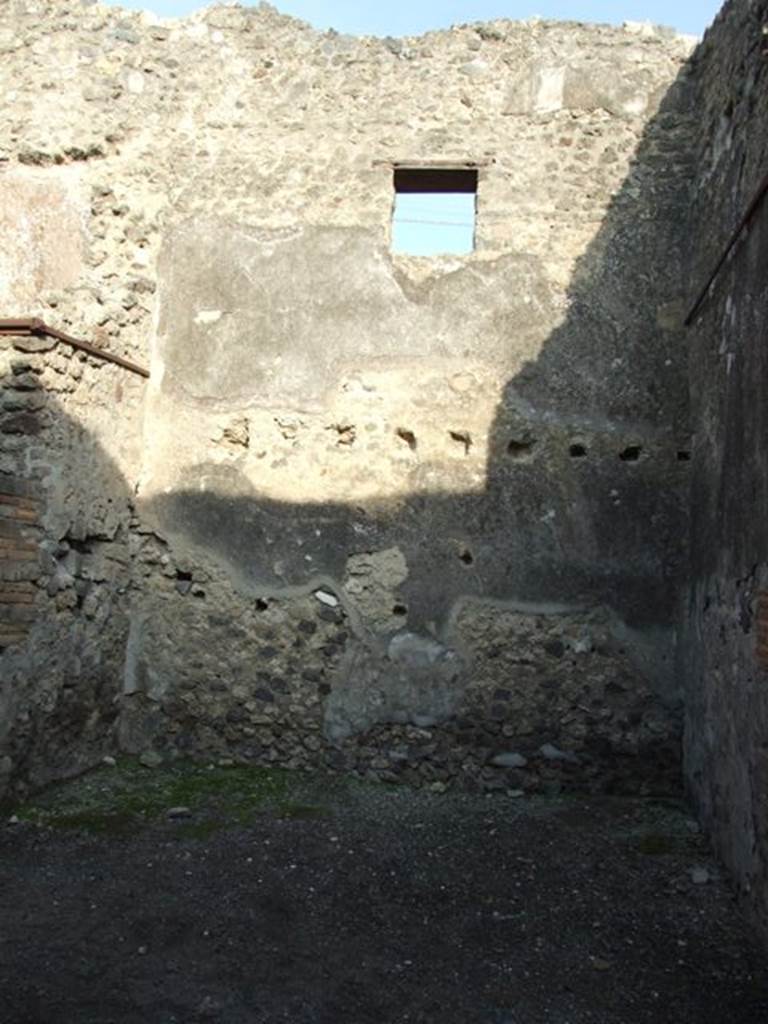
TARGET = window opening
(434,211)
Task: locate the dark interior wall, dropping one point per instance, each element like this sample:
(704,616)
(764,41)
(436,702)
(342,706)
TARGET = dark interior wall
(727,694)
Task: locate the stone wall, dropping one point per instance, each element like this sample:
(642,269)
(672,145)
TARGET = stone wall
(414,518)
(727,677)
(65,514)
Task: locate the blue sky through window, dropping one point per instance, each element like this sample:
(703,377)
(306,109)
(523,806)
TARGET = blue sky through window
(430,223)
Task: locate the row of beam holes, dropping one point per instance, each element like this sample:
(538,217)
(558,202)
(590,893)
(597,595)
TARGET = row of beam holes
(631,453)
(517,449)
(521,449)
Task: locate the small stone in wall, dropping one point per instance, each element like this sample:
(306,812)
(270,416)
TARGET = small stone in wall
(346,432)
(639,28)
(510,760)
(583,643)
(236,433)
(33,343)
(150,759)
(424,721)
(553,753)
(327,599)
(178,812)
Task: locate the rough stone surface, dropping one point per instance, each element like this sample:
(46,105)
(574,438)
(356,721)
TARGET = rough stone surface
(393,516)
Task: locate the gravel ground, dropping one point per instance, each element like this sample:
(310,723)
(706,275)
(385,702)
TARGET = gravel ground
(268,897)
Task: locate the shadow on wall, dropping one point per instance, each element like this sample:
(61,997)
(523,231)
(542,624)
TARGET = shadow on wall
(583,509)
(65,518)
(586,478)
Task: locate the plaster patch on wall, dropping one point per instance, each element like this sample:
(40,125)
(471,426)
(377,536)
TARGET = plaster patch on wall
(42,217)
(412,679)
(548,90)
(370,583)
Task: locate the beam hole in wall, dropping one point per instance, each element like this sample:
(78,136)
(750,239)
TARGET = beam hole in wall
(261,604)
(520,448)
(631,453)
(466,556)
(399,610)
(81,545)
(408,436)
(434,211)
(577,451)
(683,456)
(462,437)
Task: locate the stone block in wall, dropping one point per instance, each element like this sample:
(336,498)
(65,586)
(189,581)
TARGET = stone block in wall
(34,343)
(582,88)
(537,90)
(606,87)
(21,423)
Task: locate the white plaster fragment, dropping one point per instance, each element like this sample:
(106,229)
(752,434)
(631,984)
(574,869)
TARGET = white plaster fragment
(510,760)
(549,90)
(135,82)
(208,316)
(639,28)
(636,106)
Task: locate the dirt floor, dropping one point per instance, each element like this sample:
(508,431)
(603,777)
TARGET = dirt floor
(240,896)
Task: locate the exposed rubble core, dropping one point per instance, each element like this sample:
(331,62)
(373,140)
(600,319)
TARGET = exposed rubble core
(414,518)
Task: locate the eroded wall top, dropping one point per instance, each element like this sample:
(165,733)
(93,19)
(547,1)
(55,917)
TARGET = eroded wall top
(259,118)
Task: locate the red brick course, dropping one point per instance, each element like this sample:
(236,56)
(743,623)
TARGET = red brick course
(19,560)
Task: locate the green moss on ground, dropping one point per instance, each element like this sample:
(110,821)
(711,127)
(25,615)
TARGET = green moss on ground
(116,800)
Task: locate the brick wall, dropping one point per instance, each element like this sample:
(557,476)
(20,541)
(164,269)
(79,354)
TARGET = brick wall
(19,516)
